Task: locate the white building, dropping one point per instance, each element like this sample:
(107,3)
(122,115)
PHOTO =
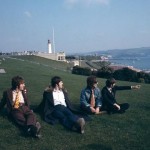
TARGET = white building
(53,56)
(75,63)
(49,47)
(60,56)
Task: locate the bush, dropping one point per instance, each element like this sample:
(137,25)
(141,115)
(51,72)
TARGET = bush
(105,72)
(126,74)
(81,71)
(141,80)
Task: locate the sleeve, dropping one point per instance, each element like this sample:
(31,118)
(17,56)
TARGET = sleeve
(48,108)
(3,101)
(98,98)
(24,93)
(122,87)
(108,98)
(48,101)
(67,99)
(83,99)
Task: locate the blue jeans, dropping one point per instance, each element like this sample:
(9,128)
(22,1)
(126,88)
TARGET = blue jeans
(65,116)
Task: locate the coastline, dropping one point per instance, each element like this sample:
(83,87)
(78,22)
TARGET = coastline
(138,64)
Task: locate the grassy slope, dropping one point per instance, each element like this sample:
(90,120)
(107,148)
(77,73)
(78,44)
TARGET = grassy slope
(116,132)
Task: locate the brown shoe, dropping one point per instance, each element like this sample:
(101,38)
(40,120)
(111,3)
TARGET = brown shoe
(81,124)
(38,127)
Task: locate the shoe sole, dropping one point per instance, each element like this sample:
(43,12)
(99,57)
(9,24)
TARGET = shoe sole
(38,126)
(81,123)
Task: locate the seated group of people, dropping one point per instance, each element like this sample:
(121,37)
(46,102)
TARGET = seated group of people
(56,105)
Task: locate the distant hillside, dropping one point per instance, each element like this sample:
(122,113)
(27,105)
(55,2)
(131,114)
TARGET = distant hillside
(133,52)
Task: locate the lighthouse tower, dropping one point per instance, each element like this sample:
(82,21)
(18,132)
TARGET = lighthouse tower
(49,47)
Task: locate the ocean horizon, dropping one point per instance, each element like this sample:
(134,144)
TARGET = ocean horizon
(141,63)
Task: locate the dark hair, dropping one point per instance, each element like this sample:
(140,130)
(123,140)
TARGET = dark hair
(110,81)
(55,80)
(16,81)
(91,80)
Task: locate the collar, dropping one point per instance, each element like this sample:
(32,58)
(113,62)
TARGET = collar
(57,90)
(14,91)
(109,89)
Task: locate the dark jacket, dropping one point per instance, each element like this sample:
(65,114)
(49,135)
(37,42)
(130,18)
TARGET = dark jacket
(46,107)
(109,98)
(7,100)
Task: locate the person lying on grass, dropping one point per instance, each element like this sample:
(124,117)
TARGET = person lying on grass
(56,106)
(18,107)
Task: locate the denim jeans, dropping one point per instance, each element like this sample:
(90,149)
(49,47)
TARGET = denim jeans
(65,116)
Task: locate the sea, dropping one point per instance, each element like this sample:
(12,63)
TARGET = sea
(142,63)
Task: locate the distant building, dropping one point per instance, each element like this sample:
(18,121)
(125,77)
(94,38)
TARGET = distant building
(60,56)
(49,47)
(53,56)
(50,54)
(75,63)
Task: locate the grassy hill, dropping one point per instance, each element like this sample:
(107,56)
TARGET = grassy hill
(106,132)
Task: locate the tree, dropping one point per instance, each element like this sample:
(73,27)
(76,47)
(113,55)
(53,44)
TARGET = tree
(105,72)
(126,74)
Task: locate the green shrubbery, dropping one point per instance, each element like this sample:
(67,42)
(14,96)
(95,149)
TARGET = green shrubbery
(81,71)
(125,74)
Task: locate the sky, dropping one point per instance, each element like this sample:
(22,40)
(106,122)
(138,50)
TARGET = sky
(74,25)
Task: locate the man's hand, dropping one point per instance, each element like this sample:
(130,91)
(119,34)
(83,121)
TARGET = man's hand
(93,109)
(136,87)
(97,110)
(116,105)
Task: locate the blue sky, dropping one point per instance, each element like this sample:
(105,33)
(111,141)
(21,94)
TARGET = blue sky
(79,25)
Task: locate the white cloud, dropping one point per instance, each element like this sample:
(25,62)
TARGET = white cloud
(87,2)
(28,14)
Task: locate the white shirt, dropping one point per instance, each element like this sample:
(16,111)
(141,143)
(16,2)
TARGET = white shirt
(110,90)
(58,97)
(21,99)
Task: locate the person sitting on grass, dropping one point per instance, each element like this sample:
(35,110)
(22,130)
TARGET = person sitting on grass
(110,103)
(18,107)
(90,97)
(56,106)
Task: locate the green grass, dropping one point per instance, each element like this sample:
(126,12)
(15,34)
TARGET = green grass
(129,131)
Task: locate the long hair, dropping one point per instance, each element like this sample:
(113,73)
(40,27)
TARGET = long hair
(16,81)
(55,81)
(91,80)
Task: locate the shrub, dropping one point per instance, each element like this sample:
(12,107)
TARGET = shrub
(126,74)
(81,71)
(105,72)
